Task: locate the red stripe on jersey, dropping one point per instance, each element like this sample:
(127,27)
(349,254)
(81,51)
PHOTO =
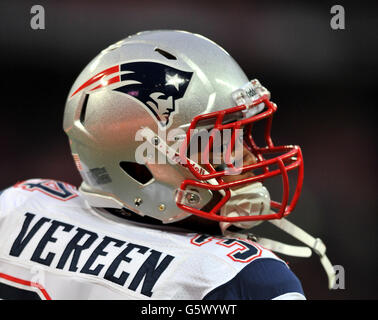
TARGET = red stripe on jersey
(26,283)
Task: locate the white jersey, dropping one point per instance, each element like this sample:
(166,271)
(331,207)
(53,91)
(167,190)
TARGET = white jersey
(53,245)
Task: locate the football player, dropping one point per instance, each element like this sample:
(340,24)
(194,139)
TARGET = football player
(161,128)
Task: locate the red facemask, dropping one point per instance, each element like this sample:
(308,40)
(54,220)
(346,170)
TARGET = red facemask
(272,160)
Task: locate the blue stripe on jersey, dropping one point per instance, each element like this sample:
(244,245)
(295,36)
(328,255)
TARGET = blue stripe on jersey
(262,279)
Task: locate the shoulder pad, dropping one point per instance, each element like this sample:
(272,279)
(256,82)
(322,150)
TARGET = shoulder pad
(263,279)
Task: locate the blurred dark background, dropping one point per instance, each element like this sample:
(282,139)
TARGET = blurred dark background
(323,81)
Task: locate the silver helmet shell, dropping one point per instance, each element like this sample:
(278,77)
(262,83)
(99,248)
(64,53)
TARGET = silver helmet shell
(103,115)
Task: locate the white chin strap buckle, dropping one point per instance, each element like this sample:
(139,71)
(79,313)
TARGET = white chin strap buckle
(319,247)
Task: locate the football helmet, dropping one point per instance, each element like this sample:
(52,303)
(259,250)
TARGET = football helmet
(132,116)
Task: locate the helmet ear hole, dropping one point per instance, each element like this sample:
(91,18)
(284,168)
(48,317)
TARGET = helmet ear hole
(84,109)
(138,172)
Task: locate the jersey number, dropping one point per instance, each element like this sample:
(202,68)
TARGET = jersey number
(56,189)
(242,250)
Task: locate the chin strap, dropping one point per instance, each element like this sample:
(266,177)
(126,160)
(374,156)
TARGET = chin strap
(316,244)
(311,243)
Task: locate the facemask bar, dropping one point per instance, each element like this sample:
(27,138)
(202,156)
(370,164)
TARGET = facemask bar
(290,158)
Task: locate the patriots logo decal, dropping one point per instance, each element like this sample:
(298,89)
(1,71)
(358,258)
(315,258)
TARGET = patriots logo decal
(157,86)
